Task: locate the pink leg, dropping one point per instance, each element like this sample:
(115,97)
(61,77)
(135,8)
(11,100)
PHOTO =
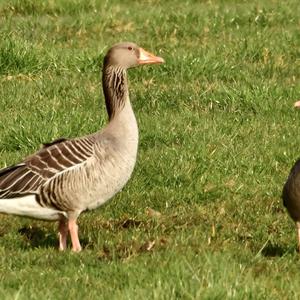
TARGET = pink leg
(63,234)
(298,234)
(73,228)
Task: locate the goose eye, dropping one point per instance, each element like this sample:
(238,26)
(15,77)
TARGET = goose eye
(129,48)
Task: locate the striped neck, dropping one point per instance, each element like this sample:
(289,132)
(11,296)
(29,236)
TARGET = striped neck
(114,80)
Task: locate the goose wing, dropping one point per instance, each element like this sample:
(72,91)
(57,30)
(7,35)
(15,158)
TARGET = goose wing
(55,157)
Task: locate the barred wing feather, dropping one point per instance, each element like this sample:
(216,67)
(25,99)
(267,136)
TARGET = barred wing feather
(56,157)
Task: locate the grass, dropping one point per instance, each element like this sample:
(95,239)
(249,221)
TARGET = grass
(218,136)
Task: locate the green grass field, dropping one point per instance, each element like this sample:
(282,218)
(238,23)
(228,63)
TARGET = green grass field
(218,136)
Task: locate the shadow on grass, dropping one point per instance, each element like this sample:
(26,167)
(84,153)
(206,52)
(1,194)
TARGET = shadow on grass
(36,237)
(273,250)
(277,251)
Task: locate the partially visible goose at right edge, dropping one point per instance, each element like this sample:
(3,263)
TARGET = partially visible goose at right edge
(291,193)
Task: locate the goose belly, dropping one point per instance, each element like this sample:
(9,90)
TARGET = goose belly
(27,206)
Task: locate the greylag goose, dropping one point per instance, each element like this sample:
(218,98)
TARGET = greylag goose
(69,176)
(291,193)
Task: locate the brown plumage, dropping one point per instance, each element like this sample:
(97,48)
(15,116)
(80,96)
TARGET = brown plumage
(27,177)
(291,193)
(68,176)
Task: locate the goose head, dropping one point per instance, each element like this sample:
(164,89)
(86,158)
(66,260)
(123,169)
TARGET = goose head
(128,55)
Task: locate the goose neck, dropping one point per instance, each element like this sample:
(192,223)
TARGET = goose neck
(115,90)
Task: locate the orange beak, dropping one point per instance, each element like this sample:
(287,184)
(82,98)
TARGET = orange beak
(149,58)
